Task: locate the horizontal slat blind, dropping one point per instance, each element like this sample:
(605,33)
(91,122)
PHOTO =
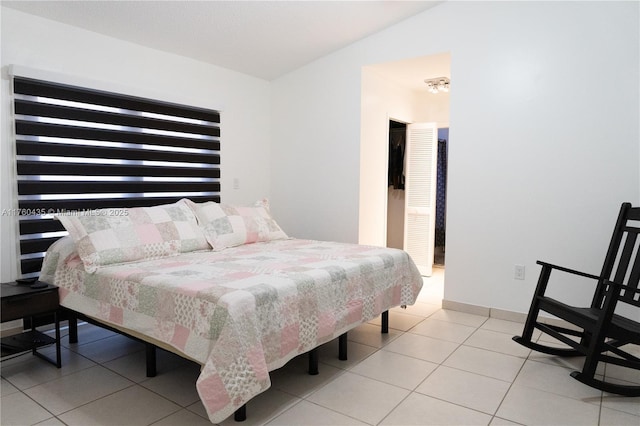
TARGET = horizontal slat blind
(79,148)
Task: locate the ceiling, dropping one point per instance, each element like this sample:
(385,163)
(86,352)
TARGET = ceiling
(265,39)
(411,73)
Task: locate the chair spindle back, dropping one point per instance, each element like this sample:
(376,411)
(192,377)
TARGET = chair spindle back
(622,263)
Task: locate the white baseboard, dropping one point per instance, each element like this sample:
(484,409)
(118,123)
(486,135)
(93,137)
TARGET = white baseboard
(11,327)
(499,313)
(465,307)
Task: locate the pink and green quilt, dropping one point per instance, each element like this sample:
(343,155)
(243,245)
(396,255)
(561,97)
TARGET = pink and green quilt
(242,311)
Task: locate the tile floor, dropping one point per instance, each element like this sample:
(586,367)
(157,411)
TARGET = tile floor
(435,367)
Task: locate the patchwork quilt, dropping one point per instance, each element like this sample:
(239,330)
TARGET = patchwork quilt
(242,311)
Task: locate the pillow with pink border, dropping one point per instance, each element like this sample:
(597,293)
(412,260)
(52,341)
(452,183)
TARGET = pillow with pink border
(111,236)
(229,226)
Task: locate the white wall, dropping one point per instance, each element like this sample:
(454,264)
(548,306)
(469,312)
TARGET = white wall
(382,100)
(433,108)
(542,159)
(83,57)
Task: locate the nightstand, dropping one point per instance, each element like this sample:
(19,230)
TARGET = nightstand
(21,301)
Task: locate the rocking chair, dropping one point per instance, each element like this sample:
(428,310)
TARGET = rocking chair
(603,332)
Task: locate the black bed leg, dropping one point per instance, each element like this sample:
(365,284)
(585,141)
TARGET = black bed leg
(58,358)
(151,359)
(342,347)
(73,327)
(385,322)
(313,362)
(241,414)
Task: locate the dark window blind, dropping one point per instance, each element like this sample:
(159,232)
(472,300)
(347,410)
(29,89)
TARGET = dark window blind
(82,149)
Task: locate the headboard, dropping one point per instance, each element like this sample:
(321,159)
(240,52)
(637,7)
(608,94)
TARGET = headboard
(81,149)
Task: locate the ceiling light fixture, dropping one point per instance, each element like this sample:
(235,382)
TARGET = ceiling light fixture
(437,85)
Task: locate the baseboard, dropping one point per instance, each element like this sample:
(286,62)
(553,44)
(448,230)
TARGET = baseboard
(11,327)
(508,315)
(498,313)
(465,307)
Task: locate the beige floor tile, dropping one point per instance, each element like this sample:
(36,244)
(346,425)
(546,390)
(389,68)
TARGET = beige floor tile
(536,407)
(264,408)
(437,276)
(433,288)
(198,408)
(87,333)
(419,309)
(110,348)
(74,390)
(457,317)
(118,409)
(356,352)
(423,410)
(422,347)
(484,362)
(27,370)
(546,339)
(395,369)
(630,375)
(573,362)
(399,321)
(309,414)
(178,385)
(498,342)
(610,417)
(555,379)
(183,417)
(497,421)
(443,330)
(432,295)
(362,398)
(370,335)
(622,403)
(17,409)
(509,327)
(8,388)
(294,377)
(134,366)
(53,421)
(464,388)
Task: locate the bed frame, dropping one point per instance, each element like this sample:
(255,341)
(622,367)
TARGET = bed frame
(151,345)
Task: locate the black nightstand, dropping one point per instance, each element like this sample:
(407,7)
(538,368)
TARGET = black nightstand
(20,301)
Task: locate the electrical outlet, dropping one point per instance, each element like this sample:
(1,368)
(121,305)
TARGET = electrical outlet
(236,183)
(518,272)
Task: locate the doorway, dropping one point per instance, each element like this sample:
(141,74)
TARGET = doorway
(395,184)
(393,91)
(441,198)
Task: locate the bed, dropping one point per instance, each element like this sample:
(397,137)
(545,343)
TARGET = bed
(241,304)
(152,252)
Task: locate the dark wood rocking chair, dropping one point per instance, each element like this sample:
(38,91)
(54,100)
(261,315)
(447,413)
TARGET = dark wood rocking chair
(602,331)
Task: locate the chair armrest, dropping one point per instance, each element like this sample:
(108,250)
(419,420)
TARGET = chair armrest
(570,271)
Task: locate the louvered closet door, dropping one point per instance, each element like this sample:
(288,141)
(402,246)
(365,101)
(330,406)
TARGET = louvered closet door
(420,190)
